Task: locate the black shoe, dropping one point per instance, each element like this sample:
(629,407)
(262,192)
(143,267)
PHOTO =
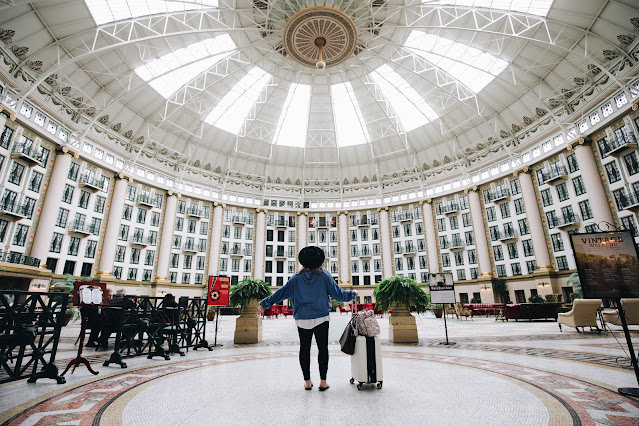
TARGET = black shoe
(91,345)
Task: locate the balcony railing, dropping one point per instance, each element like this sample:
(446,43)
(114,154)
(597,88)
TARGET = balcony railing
(366,252)
(508,235)
(139,240)
(320,223)
(399,249)
(91,182)
(81,228)
(405,217)
(280,253)
(236,251)
(19,259)
(456,244)
(499,195)
(240,220)
(567,221)
(408,249)
(554,174)
(14,211)
(194,211)
(630,201)
(145,200)
(449,208)
(616,145)
(189,247)
(354,253)
(29,154)
(281,223)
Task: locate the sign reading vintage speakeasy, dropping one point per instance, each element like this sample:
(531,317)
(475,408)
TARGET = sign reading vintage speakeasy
(219,288)
(442,288)
(607,264)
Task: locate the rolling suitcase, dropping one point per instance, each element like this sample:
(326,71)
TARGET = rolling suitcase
(366,362)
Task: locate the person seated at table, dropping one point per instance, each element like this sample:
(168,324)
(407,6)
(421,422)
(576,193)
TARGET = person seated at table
(94,323)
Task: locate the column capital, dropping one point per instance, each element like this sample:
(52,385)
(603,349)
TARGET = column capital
(578,142)
(339,212)
(635,105)
(426,201)
(261,210)
(122,176)
(6,111)
(173,193)
(300,213)
(521,171)
(471,189)
(379,209)
(65,150)
(219,204)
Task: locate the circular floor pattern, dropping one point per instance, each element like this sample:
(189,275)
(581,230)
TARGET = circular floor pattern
(419,389)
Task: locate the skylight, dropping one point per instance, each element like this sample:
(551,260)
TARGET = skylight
(105,11)
(293,122)
(472,67)
(169,72)
(411,109)
(349,122)
(231,111)
(533,7)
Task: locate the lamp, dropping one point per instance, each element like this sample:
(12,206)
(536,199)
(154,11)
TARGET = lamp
(485,288)
(542,285)
(320,42)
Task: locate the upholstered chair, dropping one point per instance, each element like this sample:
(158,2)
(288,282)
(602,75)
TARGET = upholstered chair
(583,314)
(630,309)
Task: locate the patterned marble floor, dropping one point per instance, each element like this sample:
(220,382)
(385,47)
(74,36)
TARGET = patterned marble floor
(497,373)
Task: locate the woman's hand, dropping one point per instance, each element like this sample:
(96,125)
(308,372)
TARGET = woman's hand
(260,310)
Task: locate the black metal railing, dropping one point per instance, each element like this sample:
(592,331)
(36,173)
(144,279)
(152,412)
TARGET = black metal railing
(19,259)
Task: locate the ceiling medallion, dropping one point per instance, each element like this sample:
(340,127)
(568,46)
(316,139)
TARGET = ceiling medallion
(320,36)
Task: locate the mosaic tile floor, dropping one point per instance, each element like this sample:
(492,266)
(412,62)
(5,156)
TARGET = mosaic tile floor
(524,373)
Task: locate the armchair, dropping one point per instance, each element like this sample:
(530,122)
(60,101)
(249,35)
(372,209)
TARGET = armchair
(449,309)
(460,311)
(630,309)
(583,314)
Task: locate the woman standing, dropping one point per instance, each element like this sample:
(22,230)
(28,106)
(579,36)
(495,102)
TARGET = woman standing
(310,291)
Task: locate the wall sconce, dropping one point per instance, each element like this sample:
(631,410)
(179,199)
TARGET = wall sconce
(543,285)
(485,288)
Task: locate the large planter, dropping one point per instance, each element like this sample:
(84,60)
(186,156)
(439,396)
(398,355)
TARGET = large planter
(403,326)
(248,327)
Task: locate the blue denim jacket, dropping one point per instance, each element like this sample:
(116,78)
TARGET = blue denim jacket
(309,293)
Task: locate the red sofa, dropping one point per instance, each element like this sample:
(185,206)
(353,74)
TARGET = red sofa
(484,308)
(531,311)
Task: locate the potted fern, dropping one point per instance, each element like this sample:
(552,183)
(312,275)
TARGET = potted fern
(400,294)
(247,294)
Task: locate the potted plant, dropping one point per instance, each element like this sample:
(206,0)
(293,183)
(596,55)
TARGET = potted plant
(536,299)
(66,286)
(246,294)
(401,293)
(437,309)
(500,289)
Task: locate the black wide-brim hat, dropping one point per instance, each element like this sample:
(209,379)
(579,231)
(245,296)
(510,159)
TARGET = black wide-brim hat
(311,257)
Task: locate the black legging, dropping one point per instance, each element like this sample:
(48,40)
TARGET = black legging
(321,338)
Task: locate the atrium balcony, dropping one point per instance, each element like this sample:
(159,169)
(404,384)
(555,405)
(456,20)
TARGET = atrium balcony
(90,182)
(617,146)
(554,175)
(28,154)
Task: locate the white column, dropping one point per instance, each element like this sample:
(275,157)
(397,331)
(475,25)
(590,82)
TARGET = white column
(166,240)
(481,242)
(431,236)
(344,248)
(260,244)
(302,233)
(49,213)
(110,241)
(385,238)
(216,238)
(593,181)
(534,220)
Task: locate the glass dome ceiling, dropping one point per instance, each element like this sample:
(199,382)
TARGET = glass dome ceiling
(203,90)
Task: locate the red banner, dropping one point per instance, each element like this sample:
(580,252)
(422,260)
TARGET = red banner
(218,294)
